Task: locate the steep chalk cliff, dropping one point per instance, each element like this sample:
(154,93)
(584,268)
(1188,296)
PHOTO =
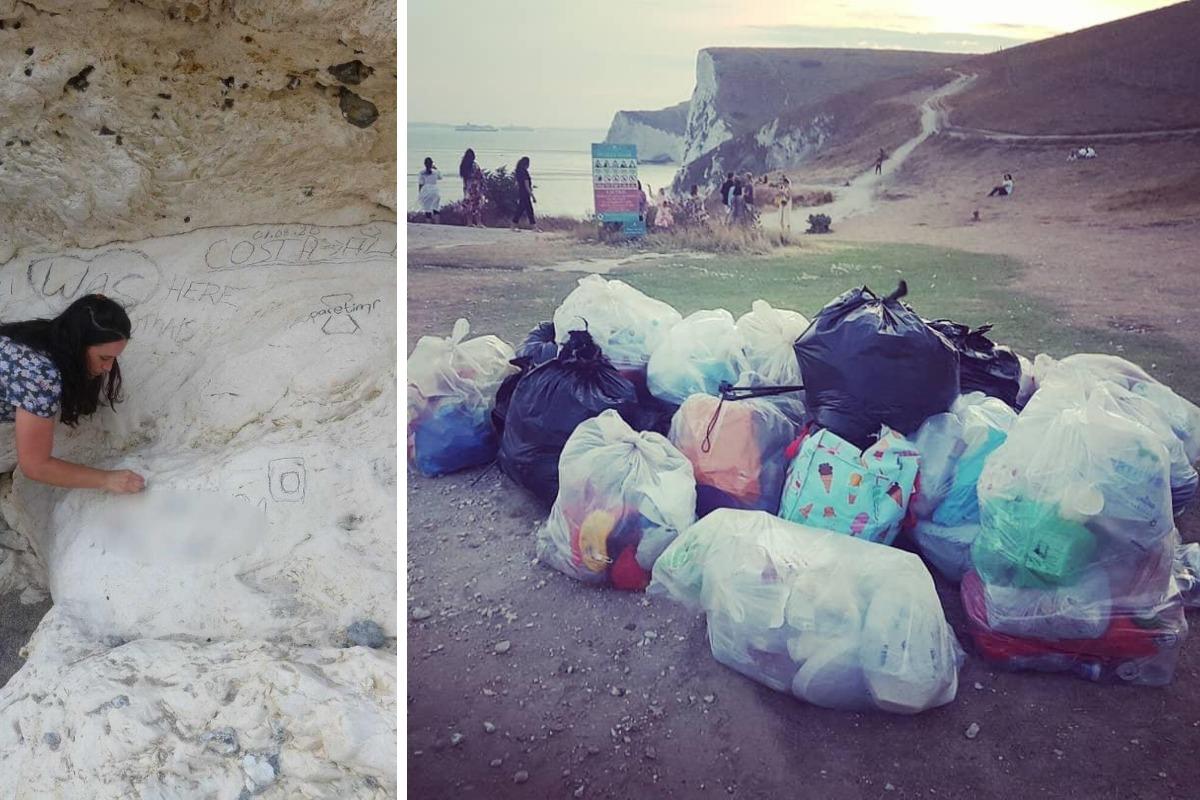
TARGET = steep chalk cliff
(657,134)
(770,108)
(123,120)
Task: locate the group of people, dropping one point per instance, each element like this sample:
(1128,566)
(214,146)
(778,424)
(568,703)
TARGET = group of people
(430,199)
(666,212)
(737,195)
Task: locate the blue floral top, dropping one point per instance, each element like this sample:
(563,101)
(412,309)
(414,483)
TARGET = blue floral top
(28,380)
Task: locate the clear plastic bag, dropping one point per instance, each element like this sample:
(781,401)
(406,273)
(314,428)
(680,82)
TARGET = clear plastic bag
(626,324)
(768,335)
(1076,543)
(737,450)
(1129,392)
(623,497)
(699,354)
(953,448)
(452,385)
(836,621)
(1182,415)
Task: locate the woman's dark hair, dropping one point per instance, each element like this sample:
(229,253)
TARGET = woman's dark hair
(92,319)
(428,165)
(523,163)
(467,166)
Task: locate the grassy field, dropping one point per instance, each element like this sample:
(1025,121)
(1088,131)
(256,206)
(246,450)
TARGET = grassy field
(969,288)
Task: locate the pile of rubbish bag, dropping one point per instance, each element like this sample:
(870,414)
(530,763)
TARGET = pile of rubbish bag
(837,621)
(762,469)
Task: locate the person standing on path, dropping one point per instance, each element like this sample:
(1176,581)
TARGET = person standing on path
(427,190)
(726,196)
(472,178)
(784,199)
(737,203)
(525,198)
(879,161)
(749,212)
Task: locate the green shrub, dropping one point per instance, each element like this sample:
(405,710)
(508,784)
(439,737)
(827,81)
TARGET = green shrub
(818,223)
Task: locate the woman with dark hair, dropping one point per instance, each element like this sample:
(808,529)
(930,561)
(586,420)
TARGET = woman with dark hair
(472,178)
(65,367)
(427,190)
(525,198)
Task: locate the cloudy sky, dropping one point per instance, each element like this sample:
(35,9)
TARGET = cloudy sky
(574,63)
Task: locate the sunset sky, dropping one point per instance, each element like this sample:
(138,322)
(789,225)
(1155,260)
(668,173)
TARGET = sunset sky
(574,63)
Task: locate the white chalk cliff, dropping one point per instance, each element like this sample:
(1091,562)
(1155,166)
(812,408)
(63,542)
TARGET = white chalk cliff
(657,134)
(202,638)
(123,120)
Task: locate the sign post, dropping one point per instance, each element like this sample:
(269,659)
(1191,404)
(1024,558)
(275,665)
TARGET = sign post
(615,186)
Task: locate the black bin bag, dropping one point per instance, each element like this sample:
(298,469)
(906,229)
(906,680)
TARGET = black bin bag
(869,361)
(550,400)
(983,366)
(538,348)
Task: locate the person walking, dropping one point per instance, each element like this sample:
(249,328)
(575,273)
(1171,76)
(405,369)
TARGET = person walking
(879,161)
(525,198)
(427,190)
(472,178)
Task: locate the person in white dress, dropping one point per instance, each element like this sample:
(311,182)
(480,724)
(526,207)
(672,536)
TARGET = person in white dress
(427,190)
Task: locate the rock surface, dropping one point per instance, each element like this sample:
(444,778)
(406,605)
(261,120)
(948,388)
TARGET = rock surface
(657,134)
(128,120)
(198,633)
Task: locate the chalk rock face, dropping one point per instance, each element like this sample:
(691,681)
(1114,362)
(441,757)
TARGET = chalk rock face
(198,642)
(126,120)
(657,134)
(764,108)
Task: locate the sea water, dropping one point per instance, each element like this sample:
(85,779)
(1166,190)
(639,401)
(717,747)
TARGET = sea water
(560,163)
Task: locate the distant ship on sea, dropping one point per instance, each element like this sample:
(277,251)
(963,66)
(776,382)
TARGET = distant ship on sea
(477,128)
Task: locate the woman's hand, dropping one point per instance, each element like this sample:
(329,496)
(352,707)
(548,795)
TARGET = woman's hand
(123,481)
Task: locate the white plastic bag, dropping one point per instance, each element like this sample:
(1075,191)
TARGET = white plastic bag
(699,353)
(623,497)
(835,620)
(626,324)
(1182,415)
(767,336)
(452,385)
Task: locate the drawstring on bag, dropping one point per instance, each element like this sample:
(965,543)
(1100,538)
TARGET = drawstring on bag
(733,393)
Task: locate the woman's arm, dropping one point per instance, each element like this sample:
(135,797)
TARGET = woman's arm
(35,445)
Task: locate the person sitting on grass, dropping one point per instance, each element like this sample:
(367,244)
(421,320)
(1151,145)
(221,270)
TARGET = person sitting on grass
(1005,189)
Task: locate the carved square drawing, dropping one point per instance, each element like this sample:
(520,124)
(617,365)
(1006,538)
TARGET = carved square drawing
(287,478)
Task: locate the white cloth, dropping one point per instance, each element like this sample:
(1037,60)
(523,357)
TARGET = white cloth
(427,192)
(1008,187)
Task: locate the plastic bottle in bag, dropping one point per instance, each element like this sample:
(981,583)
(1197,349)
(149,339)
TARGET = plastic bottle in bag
(908,661)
